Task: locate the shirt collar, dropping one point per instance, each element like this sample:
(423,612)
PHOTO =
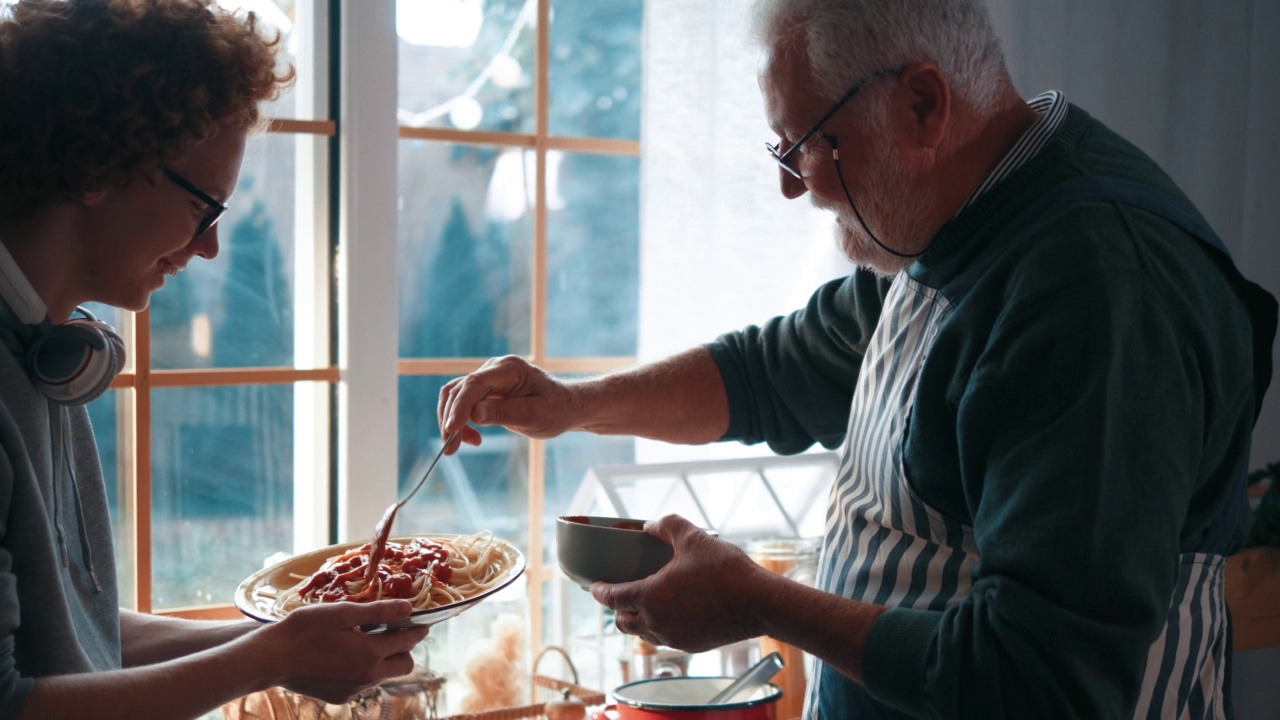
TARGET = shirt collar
(1051,106)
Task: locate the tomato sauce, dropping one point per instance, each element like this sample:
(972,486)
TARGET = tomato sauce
(620,524)
(398,571)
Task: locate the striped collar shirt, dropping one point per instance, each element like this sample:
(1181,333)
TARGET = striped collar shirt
(1052,109)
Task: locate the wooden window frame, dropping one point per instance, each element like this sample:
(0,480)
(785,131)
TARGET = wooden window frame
(359,510)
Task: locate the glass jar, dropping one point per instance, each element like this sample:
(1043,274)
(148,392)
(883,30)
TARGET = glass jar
(797,559)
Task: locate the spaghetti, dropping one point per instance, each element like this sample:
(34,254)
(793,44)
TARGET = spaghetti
(429,572)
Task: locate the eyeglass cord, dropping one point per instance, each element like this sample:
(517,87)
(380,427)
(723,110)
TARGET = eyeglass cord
(835,155)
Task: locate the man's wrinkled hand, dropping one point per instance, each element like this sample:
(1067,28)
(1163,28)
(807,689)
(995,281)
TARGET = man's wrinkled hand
(703,599)
(508,392)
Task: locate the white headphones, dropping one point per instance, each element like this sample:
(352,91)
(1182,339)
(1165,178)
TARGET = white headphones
(71,363)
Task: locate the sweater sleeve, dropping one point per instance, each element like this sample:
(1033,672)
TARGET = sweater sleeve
(14,688)
(790,381)
(1082,432)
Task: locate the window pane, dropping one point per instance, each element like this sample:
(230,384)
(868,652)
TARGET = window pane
(593,254)
(569,611)
(569,457)
(108,424)
(453,647)
(595,69)
(586,629)
(478,488)
(237,310)
(116,318)
(222,488)
(466,231)
(113,316)
(467,64)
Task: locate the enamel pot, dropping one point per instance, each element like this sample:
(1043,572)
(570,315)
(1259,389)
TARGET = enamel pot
(685,698)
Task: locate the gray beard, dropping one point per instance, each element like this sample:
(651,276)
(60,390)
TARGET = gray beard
(893,209)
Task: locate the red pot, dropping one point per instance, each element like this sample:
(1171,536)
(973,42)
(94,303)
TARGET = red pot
(685,698)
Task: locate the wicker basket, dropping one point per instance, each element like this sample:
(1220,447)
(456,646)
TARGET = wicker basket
(551,689)
(412,697)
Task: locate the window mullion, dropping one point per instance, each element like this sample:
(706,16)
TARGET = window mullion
(311,285)
(140,452)
(366,267)
(538,323)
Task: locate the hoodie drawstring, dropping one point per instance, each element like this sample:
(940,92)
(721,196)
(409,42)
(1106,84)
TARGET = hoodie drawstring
(63,464)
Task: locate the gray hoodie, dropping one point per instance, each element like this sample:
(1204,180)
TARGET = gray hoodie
(59,611)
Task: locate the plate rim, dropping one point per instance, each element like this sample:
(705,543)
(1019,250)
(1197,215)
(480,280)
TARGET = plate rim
(243,593)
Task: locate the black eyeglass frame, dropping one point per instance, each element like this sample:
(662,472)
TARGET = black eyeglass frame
(781,157)
(216,209)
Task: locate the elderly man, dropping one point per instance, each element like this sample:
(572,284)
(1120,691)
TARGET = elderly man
(1043,378)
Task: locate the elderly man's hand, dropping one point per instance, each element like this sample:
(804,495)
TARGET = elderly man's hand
(703,599)
(506,391)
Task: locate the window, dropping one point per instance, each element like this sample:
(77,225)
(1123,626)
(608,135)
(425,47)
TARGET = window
(208,439)
(250,421)
(518,233)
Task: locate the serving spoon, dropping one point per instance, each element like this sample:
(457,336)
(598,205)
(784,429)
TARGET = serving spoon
(382,532)
(748,681)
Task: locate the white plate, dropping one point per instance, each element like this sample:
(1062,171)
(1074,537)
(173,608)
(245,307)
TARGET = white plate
(256,596)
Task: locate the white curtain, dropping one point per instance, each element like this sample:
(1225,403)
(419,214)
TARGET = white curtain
(720,246)
(1191,82)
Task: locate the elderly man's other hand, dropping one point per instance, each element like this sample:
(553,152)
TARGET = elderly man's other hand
(705,598)
(506,391)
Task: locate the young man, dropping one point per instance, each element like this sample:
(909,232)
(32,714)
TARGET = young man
(121,138)
(1043,377)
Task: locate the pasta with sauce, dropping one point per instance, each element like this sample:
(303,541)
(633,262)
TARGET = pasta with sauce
(429,572)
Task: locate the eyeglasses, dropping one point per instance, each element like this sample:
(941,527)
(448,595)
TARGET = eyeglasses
(216,209)
(783,158)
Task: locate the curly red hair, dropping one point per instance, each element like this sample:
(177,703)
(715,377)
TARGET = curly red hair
(91,91)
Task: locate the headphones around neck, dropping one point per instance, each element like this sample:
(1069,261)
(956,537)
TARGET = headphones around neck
(71,363)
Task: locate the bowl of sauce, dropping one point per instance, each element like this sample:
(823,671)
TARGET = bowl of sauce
(608,549)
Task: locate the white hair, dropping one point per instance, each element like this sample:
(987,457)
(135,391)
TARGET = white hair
(848,39)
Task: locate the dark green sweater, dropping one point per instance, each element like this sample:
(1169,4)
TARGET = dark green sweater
(1085,409)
